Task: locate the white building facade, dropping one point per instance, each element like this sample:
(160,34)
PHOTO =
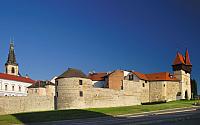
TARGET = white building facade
(11,85)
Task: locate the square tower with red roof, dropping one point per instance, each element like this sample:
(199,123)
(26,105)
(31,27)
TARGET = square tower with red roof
(182,68)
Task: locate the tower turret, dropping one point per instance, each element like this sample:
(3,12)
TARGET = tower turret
(11,64)
(182,68)
(182,63)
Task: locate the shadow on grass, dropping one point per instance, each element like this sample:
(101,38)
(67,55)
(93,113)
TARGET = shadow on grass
(56,115)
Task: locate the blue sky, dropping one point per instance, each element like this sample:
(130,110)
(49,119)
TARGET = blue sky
(100,35)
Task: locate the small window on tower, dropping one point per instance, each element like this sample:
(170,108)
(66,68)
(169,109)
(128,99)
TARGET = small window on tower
(80,82)
(81,93)
(13,70)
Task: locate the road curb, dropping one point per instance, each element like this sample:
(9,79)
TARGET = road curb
(159,111)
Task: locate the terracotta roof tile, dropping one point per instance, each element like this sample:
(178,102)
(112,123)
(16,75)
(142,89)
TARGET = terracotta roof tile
(140,75)
(16,78)
(97,76)
(162,76)
(179,59)
(187,58)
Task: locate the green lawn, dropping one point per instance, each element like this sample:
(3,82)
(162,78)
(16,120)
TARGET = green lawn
(143,108)
(87,113)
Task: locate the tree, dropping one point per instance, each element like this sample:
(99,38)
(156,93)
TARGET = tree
(194,88)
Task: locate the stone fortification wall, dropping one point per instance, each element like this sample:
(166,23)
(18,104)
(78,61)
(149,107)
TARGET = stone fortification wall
(73,95)
(139,89)
(157,91)
(164,90)
(100,97)
(172,89)
(10,105)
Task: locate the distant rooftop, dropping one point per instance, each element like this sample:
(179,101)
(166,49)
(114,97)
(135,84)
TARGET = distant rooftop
(16,78)
(97,76)
(71,72)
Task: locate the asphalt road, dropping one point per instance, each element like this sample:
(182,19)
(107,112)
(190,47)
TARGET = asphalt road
(173,117)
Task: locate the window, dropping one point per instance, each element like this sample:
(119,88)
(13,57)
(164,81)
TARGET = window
(6,87)
(178,94)
(122,87)
(164,85)
(35,90)
(143,85)
(130,77)
(13,88)
(145,81)
(20,89)
(81,93)
(80,82)
(13,70)
(56,94)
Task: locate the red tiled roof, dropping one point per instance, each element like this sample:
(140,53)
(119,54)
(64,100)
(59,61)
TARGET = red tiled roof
(162,76)
(179,59)
(166,76)
(187,58)
(97,76)
(16,78)
(140,75)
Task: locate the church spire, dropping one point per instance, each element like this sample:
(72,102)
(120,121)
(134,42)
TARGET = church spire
(11,65)
(11,56)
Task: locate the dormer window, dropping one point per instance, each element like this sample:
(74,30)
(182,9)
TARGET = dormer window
(131,77)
